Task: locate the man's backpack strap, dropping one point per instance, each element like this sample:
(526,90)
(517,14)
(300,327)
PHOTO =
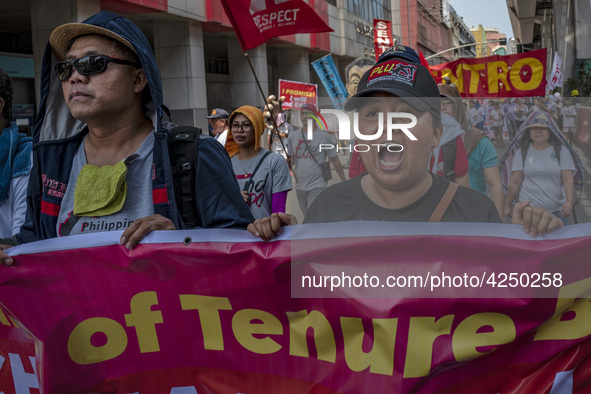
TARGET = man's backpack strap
(183,148)
(448,150)
(448,196)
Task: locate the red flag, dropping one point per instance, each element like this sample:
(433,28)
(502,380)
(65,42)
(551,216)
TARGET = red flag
(424,61)
(256,21)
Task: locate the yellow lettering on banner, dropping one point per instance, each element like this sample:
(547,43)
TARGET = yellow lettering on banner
(422,333)
(144,319)
(83,352)
(458,81)
(494,76)
(209,314)
(4,319)
(299,323)
(244,329)
(577,326)
(466,339)
(381,357)
(474,76)
(537,70)
(446,72)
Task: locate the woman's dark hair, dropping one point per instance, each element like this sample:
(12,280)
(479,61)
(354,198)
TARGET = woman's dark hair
(526,141)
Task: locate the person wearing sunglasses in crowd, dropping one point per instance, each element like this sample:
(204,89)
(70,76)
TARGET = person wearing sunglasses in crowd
(103,161)
(263,176)
(398,185)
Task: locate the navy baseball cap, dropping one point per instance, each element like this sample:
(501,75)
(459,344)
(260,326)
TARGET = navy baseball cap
(400,52)
(399,72)
(219,113)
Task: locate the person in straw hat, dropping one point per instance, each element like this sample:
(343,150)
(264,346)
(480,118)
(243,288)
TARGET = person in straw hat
(104,156)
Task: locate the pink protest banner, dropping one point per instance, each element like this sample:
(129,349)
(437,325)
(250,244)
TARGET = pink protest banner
(212,311)
(18,370)
(298,94)
(521,75)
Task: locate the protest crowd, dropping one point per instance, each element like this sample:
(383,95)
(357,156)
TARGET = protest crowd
(122,165)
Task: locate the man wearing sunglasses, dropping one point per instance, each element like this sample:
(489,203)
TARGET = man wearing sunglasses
(102,163)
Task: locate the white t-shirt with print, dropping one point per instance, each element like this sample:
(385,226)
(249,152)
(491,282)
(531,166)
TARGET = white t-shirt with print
(542,182)
(272,176)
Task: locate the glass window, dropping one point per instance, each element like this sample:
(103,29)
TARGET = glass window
(369,10)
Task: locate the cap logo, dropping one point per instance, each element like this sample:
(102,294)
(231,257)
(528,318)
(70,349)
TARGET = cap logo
(213,112)
(395,50)
(393,71)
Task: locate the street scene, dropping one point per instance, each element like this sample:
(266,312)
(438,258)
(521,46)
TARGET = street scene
(295,196)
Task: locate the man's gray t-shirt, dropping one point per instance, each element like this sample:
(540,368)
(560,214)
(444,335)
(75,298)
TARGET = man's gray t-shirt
(138,201)
(542,182)
(307,171)
(271,177)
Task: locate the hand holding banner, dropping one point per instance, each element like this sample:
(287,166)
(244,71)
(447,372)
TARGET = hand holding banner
(217,315)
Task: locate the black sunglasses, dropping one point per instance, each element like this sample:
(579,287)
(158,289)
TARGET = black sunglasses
(88,65)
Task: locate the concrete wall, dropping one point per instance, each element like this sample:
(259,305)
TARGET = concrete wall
(46,16)
(178,45)
(582,29)
(565,37)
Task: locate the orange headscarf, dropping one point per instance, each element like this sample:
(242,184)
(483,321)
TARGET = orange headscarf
(256,118)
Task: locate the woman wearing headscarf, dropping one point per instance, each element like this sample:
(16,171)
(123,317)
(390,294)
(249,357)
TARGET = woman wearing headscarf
(482,156)
(263,176)
(542,169)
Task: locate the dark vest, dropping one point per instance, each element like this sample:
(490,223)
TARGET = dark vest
(52,164)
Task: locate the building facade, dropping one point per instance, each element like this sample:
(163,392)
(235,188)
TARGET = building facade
(426,26)
(199,56)
(559,26)
(462,36)
(492,38)
(479,33)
